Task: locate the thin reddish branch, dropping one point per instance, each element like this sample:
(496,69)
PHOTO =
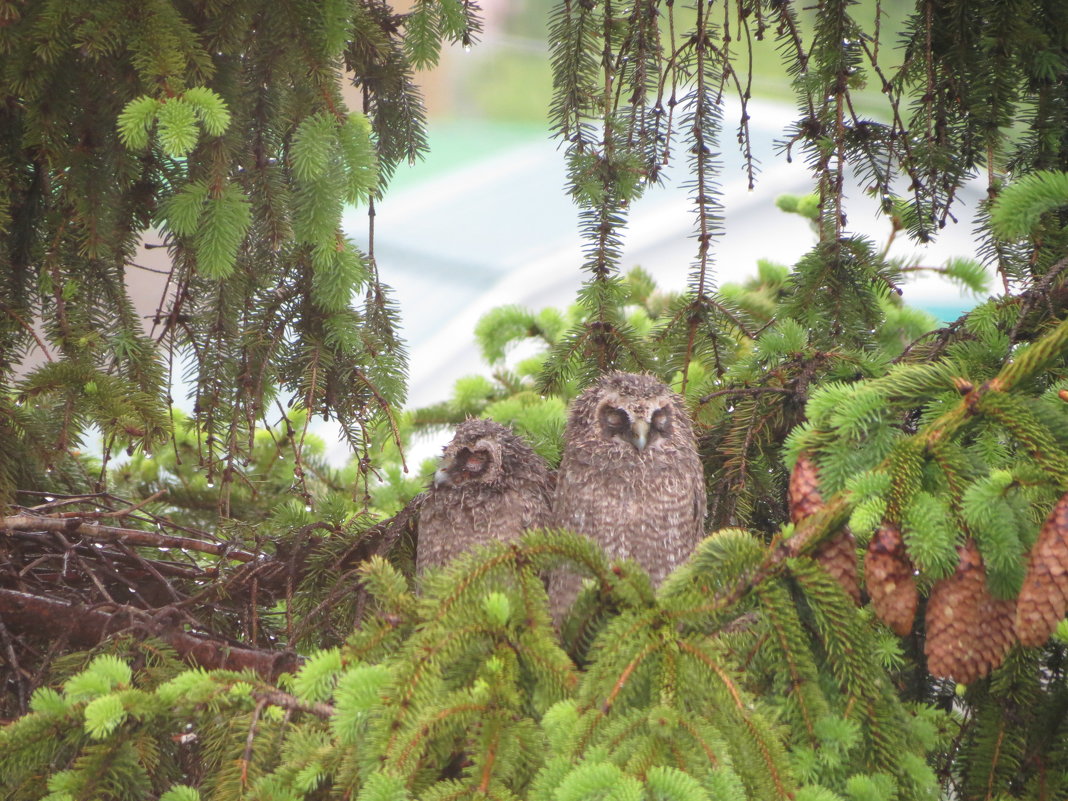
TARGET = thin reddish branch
(29,329)
(624,677)
(487,767)
(112,513)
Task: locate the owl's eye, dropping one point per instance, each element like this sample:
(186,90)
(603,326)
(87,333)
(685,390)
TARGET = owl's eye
(475,462)
(616,419)
(468,464)
(662,421)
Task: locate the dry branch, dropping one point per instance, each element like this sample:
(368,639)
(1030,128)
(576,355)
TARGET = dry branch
(287,701)
(85,627)
(127,536)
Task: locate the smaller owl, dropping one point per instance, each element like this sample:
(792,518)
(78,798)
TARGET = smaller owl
(490,485)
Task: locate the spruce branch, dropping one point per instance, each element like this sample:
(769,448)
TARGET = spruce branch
(784,628)
(1023,426)
(814,529)
(744,391)
(291,703)
(14,315)
(781,782)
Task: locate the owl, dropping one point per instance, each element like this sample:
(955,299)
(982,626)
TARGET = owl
(490,485)
(630,478)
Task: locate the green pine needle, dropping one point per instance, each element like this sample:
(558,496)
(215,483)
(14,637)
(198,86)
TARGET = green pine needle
(1020,205)
(136,121)
(210,108)
(177,127)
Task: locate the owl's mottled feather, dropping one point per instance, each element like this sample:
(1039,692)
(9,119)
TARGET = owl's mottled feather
(490,485)
(630,478)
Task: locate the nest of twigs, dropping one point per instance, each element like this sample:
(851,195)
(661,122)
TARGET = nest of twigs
(77,570)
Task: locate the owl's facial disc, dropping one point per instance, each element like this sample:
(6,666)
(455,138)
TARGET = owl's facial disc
(645,427)
(467,464)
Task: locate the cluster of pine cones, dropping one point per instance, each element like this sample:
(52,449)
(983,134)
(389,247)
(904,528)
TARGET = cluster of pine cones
(968,631)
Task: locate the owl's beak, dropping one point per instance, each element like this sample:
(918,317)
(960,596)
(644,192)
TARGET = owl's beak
(639,433)
(441,476)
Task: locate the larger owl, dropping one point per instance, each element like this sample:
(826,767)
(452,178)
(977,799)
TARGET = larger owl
(490,485)
(630,478)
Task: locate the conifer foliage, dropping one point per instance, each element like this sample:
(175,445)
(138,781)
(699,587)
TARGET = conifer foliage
(877,612)
(220,130)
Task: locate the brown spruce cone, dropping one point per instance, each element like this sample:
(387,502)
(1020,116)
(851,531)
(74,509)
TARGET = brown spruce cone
(804,489)
(953,619)
(838,556)
(999,630)
(888,575)
(1044,597)
(967,629)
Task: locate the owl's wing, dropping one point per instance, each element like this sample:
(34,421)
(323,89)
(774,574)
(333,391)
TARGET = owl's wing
(383,537)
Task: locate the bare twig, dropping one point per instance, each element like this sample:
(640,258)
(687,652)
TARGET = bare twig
(253,727)
(287,701)
(13,663)
(29,329)
(744,391)
(128,536)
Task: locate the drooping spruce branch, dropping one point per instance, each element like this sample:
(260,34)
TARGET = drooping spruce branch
(241,152)
(606,64)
